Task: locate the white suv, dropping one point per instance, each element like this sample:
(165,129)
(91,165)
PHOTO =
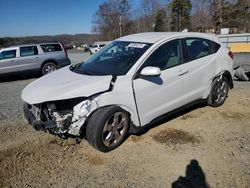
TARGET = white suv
(129,84)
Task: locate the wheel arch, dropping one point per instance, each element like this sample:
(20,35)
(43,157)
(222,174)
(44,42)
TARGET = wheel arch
(123,107)
(227,75)
(49,61)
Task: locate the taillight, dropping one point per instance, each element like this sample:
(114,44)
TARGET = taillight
(65,50)
(231,54)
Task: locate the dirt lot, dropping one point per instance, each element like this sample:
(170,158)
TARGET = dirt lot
(201,147)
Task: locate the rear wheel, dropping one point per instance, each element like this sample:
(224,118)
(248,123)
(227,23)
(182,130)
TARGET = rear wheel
(218,93)
(107,128)
(48,68)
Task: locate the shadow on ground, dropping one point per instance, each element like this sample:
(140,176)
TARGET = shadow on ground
(172,115)
(16,77)
(195,177)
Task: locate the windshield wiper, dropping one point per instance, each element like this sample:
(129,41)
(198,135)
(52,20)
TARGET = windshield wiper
(74,67)
(83,71)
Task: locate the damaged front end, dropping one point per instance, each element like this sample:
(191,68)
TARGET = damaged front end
(61,117)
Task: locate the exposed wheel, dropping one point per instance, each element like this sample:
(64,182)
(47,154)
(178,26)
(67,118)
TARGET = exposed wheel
(107,128)
(218,93)
(48,68)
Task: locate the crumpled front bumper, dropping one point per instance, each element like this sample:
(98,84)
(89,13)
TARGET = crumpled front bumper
(36,124)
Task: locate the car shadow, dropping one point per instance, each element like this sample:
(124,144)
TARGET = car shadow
(194,177)
(172,115)
(11,78)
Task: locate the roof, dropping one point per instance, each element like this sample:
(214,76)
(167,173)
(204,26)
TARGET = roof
(153,37)
(35,44)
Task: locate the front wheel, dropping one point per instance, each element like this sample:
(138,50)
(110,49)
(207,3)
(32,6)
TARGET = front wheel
(107,128)
(219,92)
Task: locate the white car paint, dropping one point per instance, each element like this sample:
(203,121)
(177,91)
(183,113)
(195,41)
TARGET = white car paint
(54,86)
(144,99)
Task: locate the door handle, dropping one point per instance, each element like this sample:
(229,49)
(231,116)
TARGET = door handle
(182,72)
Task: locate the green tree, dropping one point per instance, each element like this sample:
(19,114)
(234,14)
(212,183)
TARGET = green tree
(237,15)
(218,15)
(159,21)
(201,18)
(123,9)
(107,19)
(180,14)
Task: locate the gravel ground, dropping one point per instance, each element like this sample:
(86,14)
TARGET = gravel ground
(203,146)
(77,56)
(243,60)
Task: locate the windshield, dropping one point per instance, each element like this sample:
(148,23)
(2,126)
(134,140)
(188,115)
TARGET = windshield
(114,59)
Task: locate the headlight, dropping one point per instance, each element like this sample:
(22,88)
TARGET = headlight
(85,108)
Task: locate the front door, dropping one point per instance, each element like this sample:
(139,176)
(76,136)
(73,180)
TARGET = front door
(156,96)
(8,61)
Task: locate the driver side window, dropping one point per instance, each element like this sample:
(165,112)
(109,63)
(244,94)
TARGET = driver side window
(166,56)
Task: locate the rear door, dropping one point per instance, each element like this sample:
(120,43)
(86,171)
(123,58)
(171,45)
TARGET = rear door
(29,58)
(8,61)
(201,65)
(53,52)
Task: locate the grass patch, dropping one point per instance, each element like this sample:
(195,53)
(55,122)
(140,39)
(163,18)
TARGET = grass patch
(232,115)
(94,159)
(5,155)
(188,116)
(174,136)
(134,138)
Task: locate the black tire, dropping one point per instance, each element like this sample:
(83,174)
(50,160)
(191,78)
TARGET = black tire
(107,128)
(48,68)
(219,92)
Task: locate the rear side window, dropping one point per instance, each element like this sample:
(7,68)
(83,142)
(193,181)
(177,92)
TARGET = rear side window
(214,47)
(8,54)
(198,48)
(28,51)
(51,47)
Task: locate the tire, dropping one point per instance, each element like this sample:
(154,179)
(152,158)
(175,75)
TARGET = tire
(107,128)
(219,92)
(48,68)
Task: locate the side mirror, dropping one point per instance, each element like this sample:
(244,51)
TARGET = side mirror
(151,71)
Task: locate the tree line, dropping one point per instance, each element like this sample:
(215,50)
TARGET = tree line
(66,39)
(115,18)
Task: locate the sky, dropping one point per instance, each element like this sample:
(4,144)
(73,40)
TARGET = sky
(19,18)
(46,17)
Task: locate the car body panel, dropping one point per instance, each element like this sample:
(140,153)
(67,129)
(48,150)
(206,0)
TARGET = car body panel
(53,86)
(158,95)
(9,65)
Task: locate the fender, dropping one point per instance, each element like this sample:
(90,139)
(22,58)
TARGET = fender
(226,74)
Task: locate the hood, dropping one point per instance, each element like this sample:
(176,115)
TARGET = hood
(64,84)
